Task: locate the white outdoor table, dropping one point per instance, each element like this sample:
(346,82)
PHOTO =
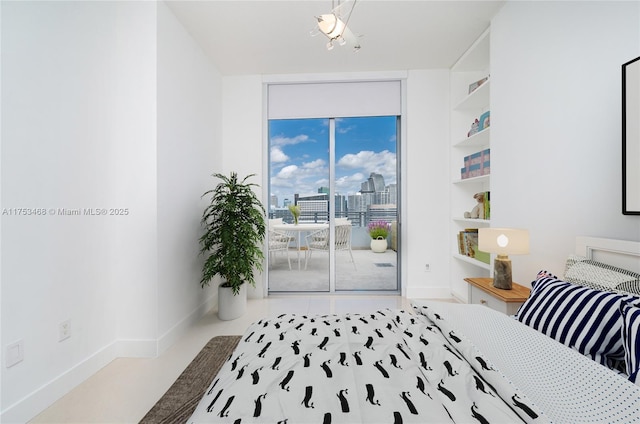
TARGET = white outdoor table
(300,228)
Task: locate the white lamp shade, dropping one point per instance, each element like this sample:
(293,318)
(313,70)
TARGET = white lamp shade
(503,241)
(331,25)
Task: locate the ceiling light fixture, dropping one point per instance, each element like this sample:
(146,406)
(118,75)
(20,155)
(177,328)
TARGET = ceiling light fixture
(335,29)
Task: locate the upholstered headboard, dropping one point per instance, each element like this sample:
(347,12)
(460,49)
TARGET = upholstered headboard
(620,253)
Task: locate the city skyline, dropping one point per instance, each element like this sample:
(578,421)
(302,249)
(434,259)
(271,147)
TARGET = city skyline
(299,154)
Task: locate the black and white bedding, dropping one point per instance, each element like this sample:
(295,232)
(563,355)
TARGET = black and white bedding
(384,367)
(571,354)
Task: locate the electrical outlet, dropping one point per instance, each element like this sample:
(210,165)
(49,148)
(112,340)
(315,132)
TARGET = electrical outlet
(15,353)
(427,268)
(64,330)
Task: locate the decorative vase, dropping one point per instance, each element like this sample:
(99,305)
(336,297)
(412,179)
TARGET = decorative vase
(295,219)
(379,245)
(231,306)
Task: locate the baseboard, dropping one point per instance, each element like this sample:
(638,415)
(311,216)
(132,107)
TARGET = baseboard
(137,348)
(428,293)
(178,330)
(34,403)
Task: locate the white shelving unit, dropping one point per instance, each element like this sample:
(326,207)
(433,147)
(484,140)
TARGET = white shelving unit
(471,67)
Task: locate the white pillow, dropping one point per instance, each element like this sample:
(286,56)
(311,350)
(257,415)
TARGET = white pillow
(601,276)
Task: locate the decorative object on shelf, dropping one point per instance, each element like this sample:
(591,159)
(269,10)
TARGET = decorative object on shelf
(503,241)
(378,231)
(476,165)
(475,127)
(335,28)
(474,86)
(485,121)
(468,245)
(478,210)
(295,211)
(234,223)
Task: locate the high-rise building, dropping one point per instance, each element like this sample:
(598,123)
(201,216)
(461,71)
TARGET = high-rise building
(393,193)
(387,213)
(376,181)
(314,210)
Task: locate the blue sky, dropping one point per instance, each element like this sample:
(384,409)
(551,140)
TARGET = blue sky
(299,154)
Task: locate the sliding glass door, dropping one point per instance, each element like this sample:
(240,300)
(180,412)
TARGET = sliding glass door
(340,174)
(299,178)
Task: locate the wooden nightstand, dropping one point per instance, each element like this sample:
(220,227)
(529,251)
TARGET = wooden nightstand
(482,292)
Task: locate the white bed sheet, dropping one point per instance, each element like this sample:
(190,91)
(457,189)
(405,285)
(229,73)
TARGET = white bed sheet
(567,386)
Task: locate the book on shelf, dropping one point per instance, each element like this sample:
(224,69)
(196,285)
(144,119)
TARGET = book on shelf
(468,245)
(487,205)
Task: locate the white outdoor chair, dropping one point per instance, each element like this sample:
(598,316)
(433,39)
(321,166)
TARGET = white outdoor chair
(279,242)
(319,240)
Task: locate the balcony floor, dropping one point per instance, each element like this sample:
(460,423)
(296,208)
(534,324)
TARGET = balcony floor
(375,272)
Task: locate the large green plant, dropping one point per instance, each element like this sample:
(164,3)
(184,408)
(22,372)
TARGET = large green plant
(234,231)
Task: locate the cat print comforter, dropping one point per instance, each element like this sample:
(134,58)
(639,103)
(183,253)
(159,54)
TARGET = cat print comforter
(384,367)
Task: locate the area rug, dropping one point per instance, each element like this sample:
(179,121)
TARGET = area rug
(179,402)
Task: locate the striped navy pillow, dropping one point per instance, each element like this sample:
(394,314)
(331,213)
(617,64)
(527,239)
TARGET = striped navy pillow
(585,319)
(631,339)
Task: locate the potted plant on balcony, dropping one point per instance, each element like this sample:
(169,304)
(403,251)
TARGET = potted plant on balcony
(295,212)
(378,231)
(234,223)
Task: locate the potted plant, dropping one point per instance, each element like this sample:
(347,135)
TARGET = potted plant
(234,223)
(295,211)
(378,231)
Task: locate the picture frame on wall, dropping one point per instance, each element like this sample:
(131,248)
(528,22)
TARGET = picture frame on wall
(631,137)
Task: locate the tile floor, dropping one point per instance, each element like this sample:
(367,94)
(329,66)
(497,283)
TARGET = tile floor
(372,271)
(124,390)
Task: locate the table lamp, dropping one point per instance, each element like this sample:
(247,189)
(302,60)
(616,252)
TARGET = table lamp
(503,242)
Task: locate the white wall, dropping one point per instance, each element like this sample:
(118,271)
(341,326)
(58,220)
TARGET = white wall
(64,125)
(89,121)
(242,147)
(425,165)
(189,139)
(556,124)
(426,192)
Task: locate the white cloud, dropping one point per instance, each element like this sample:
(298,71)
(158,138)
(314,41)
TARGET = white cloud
(287,141)
(349,184)
(278,156)
(316,164)
(287,172)
(383,162)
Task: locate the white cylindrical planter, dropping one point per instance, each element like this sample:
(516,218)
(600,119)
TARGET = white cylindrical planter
(231,306)
(379,245)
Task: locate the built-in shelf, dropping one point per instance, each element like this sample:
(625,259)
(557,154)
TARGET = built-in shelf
(472,261)
(473,220)
(477,99)
(466,109)
(479,140)
(480,179)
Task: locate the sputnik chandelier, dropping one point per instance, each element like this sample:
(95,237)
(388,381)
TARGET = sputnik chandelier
(335,27)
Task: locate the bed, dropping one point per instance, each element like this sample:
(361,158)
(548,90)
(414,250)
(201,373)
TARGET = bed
(570,355)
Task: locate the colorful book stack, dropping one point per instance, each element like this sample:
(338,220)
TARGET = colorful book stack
(476,165)
(468,245)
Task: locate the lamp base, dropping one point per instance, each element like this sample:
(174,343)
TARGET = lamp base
(502,273)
